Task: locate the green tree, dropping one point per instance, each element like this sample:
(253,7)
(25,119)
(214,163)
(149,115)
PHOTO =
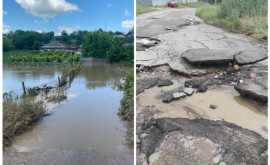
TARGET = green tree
(36,45)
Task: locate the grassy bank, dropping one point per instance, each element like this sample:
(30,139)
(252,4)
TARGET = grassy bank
(140,9)
(127,103)
(240,16)
(18,116)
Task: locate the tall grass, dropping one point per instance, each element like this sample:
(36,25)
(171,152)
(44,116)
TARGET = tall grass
(18,116)
(243,16)
(127,103)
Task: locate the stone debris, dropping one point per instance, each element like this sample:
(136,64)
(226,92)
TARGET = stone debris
(188,91)
(179,95)
(164,82)
(141,68)
(213,106)
(202,88)
(167,98)
(254,88)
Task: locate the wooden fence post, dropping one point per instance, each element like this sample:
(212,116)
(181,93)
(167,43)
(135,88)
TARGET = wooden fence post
(59,81)
(23,88)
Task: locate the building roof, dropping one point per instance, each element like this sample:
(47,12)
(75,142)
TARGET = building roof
(54,45)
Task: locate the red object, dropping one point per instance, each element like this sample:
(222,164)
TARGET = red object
(172,4)
(236,67)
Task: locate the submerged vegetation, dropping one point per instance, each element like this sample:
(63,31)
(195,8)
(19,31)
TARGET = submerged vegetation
(18,116)
(57,98)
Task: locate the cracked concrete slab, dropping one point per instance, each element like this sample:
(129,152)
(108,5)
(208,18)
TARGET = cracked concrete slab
(200,36)
(224,56)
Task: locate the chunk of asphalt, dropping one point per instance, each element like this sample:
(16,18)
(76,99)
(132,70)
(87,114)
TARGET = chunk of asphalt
(164,82)
(179,95)
(213,106)
(188,91)
(202,88)
(167,98)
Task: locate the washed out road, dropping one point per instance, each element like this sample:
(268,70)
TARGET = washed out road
(178,56)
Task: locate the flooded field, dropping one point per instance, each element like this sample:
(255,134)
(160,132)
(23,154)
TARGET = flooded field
(83,130)
(30,75)
(231,107)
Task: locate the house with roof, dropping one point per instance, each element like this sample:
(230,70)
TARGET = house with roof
(53,46)
(162,2)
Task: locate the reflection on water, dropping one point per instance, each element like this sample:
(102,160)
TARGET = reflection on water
(87,123)
(13,76)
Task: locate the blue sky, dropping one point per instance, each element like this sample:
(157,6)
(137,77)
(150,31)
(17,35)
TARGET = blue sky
(69,15)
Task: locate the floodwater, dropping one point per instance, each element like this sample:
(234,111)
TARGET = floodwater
(84,130)
(232,107)
(30,75)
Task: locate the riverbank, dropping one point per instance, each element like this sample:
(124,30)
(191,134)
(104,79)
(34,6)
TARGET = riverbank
(19,116)
(89,116)
(126,111)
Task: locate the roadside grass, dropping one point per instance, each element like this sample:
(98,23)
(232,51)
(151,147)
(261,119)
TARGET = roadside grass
(19,116)
(141,9)
(238,16)
(192,5)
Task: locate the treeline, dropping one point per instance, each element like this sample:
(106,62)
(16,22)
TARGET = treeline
(26,40)
(114,48)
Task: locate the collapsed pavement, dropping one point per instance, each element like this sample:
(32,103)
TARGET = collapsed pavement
(191,49)
(200,141)
(204,56)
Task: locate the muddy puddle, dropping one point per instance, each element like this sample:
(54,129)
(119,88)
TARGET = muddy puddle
(231,107)
(83,130)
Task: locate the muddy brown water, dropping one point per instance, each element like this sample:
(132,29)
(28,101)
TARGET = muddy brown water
(232,107)
(83,130)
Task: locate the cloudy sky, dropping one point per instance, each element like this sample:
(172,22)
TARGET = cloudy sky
(69,15)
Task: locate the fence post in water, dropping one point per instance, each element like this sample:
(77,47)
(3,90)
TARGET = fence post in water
(59,81)
(24,92)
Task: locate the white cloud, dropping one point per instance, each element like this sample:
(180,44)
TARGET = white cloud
(69,30)
(45,20)
(39,31)
(127,13)
(109,5)
(128,24)
(4,12)
(47,8)
(6,29)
